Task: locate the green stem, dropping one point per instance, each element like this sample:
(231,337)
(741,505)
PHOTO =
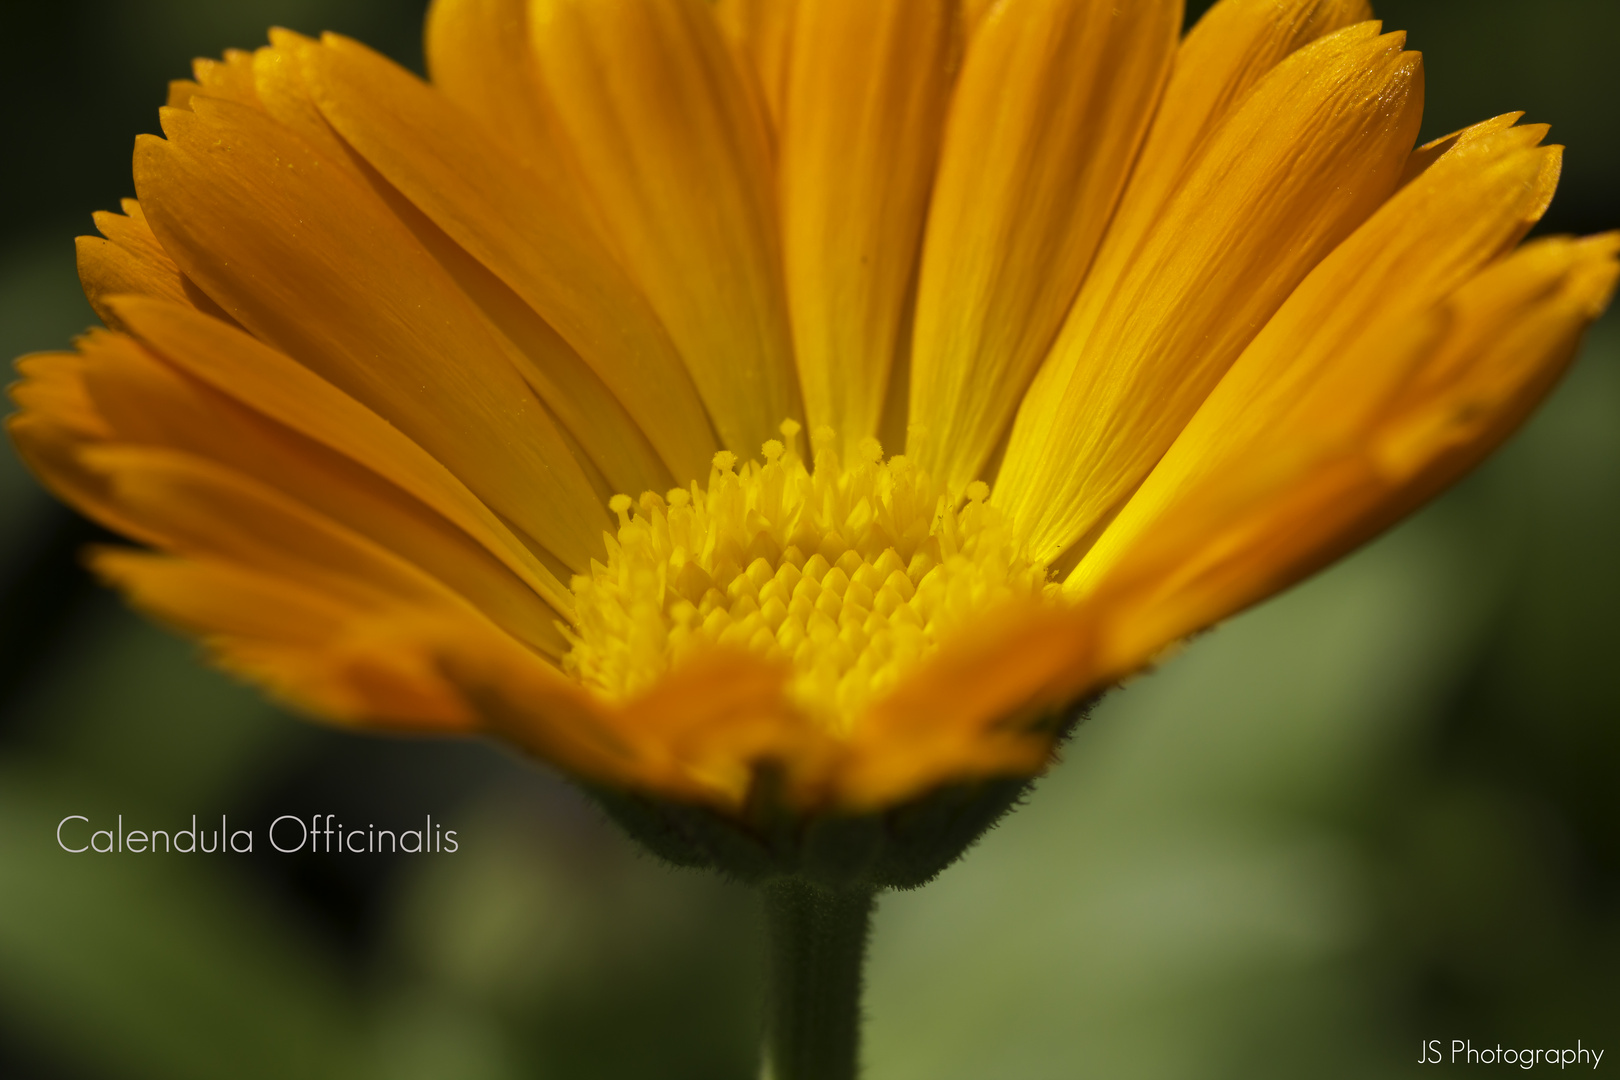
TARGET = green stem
(818,945)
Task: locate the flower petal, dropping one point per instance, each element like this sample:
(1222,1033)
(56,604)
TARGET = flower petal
(149,404)
(313,264)
(1217,65)
(1050,110)
(52,388)
(478,54)
(1288,505)
(284,391)
(760,32)
(130,260)
(675,149)
(1437,232)
(610,447)
(865,103)
(1317,146)
(700,734)
(230,78)
(521,226)
(983,706)
(334,659)
(53,451)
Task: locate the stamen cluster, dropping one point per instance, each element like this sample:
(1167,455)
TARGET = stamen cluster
(851,573)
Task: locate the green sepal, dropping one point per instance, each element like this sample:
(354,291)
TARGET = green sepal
(900,848)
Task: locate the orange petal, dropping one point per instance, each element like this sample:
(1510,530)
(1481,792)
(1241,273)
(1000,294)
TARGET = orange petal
(859,138)
(519,225)
(335,660)
(150,404)
(52,387)
(54,453)
(1436,233)
(675,150)
(1317,146)
(1289,506)
(130,260)
(230,79)
(761,33)
(279,76)
(1219,62)
(478,54)
(282,390)
(983,706)
(1050,109)
(699,735)
(314,265)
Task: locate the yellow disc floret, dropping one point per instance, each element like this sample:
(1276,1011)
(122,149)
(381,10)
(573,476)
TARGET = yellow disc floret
(851,573)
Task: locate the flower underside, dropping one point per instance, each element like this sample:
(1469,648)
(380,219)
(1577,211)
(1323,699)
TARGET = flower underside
(852,573)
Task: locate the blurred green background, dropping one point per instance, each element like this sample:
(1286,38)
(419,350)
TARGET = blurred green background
(1380,809)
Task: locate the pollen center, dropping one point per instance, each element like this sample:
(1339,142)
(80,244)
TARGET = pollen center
(853,573)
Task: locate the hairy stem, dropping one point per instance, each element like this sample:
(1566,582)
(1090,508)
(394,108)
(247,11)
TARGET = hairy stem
(817,949)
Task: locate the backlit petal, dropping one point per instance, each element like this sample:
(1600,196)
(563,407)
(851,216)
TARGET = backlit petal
(1437,232)
(313,264)
(1314,150)
(335,659)
(1050,109)
(985,705)
(867,90)
(148,403)
(518,224)
(761,33)
(1219,62)
(130,260)
(675,149)
(278,387)
(1290,504)
(478,54)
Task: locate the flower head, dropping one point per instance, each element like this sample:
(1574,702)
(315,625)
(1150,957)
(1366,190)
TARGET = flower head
(789,411)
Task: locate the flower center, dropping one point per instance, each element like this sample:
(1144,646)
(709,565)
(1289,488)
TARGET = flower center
(853,574)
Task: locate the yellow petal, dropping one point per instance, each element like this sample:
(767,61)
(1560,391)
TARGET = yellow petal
(52,387)
(1316,148)
(204,510)
(337,660)
(1289,505)
(400,617)
(478,54)
(130,260)
(284,93)
(313,264)
(1509,335)
(698,735)
(859,138)
(674,148)
(1051,107)
(147,403)
(106,269)
(985,705)
(279,388)
(1434,234)
(974,11)
(1219,62)
(230,78)
(760,32)
(612,449)
(519,225)
(54,453)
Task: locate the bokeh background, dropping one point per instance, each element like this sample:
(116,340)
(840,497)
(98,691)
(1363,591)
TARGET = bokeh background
(1380,809)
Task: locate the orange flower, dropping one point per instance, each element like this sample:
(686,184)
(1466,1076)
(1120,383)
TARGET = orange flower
(478,405)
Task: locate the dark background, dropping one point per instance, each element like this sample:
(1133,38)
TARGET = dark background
(1378,810)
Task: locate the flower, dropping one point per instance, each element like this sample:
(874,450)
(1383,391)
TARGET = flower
(551,399)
